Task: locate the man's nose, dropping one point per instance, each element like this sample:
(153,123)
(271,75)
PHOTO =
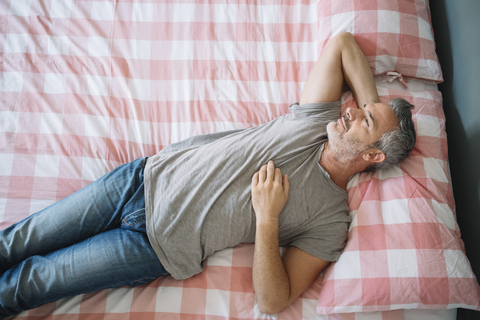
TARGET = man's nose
(354,113)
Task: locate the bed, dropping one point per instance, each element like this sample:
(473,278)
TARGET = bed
(86,86)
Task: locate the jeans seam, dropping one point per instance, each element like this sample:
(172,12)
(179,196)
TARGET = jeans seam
(141,281)
(148,279)
(126,218)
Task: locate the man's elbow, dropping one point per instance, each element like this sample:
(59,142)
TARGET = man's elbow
(344,39)
(345,36)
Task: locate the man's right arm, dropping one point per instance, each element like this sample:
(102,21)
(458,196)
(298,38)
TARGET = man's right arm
(342,61)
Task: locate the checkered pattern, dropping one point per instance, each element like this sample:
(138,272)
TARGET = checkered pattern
(88,85)
(223,291)
(395,35)
(404,248)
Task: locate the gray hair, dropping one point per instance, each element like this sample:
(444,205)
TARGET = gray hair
(396,144)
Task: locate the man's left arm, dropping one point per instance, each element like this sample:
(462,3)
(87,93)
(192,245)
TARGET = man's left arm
(278,281)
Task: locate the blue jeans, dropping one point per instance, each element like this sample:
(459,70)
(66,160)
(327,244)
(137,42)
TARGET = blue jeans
(93,239)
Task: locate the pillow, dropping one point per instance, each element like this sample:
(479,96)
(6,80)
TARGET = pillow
(395,35)
(404,249)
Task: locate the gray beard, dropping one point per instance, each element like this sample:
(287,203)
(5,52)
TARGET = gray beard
(345,148)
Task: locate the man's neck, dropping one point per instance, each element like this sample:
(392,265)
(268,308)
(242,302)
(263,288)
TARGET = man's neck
(339,172)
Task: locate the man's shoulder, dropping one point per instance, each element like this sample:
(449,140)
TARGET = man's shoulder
(316,111)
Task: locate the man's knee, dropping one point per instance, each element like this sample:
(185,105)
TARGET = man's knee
(8,295)
(21,288)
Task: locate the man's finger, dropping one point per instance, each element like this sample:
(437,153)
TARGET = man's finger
(270,170)
(262,173)
(278,175)
(255,179)
(286,185)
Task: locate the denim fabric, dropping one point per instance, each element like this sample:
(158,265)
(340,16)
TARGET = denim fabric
(94,239)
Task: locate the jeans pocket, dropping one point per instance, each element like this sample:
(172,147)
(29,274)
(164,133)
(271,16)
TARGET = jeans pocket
(135,221)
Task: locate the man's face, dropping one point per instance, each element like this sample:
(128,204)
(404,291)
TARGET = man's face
(352,134)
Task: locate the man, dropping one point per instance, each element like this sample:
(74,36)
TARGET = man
(370,138)
(168,213)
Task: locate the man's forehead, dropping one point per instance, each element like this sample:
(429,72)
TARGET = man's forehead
(383,115)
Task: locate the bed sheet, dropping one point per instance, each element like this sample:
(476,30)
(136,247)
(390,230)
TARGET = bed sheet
(86,86)
(223,291)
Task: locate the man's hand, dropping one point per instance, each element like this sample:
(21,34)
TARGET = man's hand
(269,192)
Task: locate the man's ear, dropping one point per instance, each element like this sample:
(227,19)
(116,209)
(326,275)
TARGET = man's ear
(374,155)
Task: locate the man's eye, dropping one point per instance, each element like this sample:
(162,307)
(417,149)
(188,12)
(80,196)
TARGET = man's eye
(368,125)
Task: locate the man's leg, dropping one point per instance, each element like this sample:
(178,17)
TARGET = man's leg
(112,259)
(87,212)
(342,60)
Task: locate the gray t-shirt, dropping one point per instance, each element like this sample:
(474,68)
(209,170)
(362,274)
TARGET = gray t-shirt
(198,199)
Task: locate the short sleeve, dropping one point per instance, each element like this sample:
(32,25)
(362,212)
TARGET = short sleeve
(325,242)
(322,111)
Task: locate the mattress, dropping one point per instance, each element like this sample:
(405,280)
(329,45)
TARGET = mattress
(86,86)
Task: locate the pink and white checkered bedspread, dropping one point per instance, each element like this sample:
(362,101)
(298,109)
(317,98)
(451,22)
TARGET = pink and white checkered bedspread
(88,85)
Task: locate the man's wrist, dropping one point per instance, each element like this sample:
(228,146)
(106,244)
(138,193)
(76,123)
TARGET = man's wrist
(267,221)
